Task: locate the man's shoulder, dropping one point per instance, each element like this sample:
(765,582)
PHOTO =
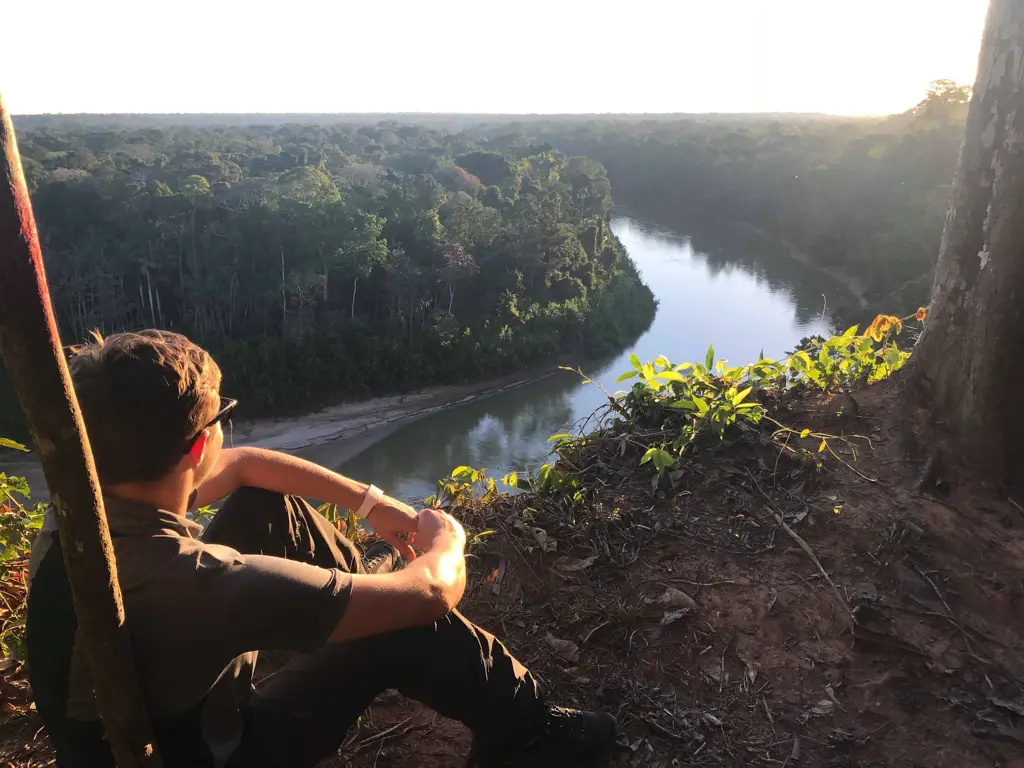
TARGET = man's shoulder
(153,560)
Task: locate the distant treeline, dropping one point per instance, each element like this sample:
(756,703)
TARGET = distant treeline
(865,196)
(323,261)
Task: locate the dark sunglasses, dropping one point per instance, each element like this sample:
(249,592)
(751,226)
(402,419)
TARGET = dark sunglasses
(227,406)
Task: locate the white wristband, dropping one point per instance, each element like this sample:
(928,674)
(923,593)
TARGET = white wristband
(370,500)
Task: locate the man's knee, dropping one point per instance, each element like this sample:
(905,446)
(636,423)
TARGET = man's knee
(257,497)
(247,505)
(263,503)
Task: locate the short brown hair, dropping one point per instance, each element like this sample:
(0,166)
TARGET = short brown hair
(143,396)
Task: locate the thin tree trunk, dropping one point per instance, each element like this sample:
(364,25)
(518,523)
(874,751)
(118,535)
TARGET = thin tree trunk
(195,256)
(284,296)
(149,287)
(181,278)
(31,350)
(355,284)
(149,284)
(970,359)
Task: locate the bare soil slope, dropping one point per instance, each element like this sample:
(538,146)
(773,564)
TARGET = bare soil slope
(764,612)
(911,656)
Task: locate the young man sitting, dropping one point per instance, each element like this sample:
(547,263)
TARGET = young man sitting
(268,573)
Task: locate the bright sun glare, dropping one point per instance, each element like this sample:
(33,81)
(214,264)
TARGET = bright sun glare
(549,56)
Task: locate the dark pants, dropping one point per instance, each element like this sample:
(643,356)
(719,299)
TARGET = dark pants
(302,713)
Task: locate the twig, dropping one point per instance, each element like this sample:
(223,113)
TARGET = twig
(705,583)
(935,588)
(768,712)
(934,499)
(662,730)
(804,546)
(388,732)
(721,672)
(850,467)
(955,622)
(519,552)
(794,755)
(590,634)
(949,611)
(1015,504)
(673,580)
(682,534)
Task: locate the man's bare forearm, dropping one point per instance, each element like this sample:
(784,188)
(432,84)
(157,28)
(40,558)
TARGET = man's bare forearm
(279,472)
(282,473)
(420,594)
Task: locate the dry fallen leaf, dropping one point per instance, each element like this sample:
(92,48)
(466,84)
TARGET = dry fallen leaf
(676,599)
(823,708)
(1010,705)
(546,543)
(830,692)
(751,675)
(671,616)
(567,649)
(568,566)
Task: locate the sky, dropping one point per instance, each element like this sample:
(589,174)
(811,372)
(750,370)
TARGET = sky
(528,56)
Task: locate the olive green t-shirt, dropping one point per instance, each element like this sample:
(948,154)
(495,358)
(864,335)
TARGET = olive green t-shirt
(197,613)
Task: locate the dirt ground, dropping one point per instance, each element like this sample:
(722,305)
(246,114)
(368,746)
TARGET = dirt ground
(766,611)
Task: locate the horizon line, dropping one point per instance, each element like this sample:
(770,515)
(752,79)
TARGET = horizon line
(455,114)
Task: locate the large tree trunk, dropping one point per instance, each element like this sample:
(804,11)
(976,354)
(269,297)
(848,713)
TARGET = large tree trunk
(32,352)
(970,360)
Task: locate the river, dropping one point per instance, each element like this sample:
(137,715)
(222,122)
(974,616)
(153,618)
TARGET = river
(731,288)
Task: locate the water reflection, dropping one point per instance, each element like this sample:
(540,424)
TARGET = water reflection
(736,290)
(509,430)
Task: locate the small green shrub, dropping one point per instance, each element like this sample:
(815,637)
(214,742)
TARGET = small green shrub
(671,410)
(690,406)
(19,522)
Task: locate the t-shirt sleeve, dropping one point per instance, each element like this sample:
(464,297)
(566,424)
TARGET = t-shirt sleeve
(269,603)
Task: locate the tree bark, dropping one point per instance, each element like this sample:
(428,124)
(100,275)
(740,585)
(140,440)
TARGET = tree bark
(31,350)
(969,361)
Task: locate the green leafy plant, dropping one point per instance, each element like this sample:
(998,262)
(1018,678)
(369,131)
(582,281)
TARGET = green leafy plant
(672,409)
(347,522)
(550,479)
(202,515)
(465,486)
(697,401)
(19,522)
(851,359)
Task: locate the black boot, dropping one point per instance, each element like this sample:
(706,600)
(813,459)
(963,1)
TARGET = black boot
(380,557)
(569,738)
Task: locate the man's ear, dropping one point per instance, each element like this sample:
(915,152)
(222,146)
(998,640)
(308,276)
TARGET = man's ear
(199,448)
